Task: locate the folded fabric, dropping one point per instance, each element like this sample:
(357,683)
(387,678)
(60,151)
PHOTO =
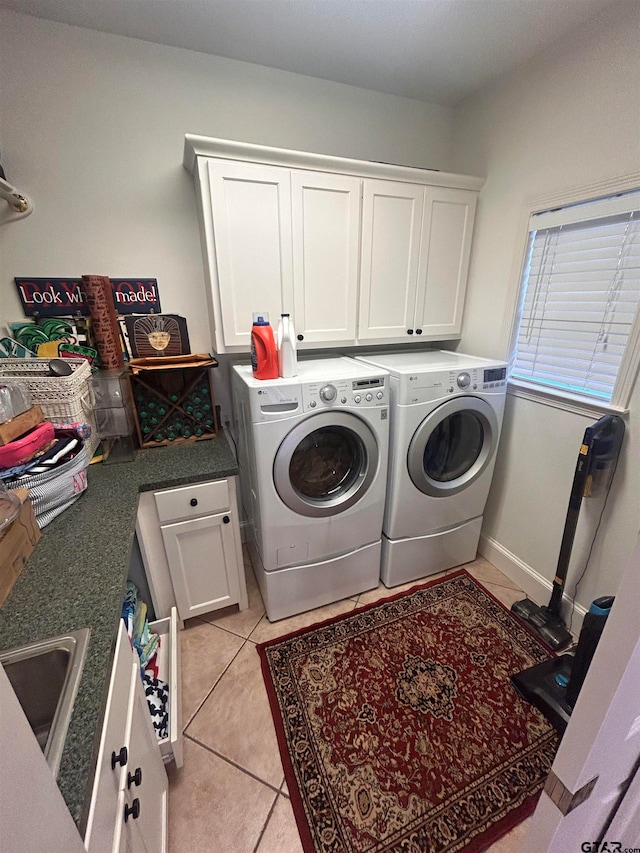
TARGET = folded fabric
(58,451)
(23,449)
(61,449)
(80,429)
(134,613)
(18,471)
(129,606)
(146,646)
(157,694)
(152,666)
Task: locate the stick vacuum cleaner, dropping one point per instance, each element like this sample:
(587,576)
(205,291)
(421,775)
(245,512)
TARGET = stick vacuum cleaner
(553,685)
(594,469)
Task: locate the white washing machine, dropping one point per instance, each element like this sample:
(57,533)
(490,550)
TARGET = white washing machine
(446,418)
(313,469)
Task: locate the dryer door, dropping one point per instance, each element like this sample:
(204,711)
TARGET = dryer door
(452,446)
(325,464)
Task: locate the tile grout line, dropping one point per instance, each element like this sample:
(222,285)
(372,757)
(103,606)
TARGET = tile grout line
(234,764)
(264,828)
(233,633)
(212,688)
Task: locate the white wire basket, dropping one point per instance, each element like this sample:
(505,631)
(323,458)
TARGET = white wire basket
(66,399)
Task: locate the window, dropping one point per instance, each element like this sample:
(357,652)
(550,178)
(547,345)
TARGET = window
(578,322)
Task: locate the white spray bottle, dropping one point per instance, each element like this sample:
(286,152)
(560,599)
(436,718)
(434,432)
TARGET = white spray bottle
(287,357)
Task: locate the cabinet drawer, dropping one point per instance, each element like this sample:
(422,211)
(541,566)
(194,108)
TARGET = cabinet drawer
(169,671)
(192,501)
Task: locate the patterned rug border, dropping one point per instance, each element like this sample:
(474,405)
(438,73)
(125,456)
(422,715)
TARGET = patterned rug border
(394,596)
(480,843)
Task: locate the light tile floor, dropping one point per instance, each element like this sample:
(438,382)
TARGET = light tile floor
(230,796)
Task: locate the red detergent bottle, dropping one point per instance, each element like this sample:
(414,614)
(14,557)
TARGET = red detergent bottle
(264,354)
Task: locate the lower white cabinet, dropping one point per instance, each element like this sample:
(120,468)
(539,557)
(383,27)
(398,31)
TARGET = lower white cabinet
(128,810)
(189,540)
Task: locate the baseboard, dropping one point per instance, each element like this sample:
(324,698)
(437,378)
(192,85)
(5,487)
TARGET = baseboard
(537,587)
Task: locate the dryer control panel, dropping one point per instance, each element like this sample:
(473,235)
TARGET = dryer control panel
(436,384)
(365,392)
(479,379)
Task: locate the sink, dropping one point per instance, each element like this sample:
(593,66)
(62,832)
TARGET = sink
(45,676)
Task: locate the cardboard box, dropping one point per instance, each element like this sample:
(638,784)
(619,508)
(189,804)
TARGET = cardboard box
(17,541)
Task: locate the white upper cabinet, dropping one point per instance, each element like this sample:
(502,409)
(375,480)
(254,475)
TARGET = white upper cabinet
(416,243)
(357,252)
(251,220)
(447,229)
(326,248)
(391,231)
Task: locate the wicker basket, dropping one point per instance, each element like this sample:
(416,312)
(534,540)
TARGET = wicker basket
(61,398)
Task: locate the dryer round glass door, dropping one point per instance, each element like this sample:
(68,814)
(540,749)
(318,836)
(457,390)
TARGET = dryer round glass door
(453,446)
(325,464)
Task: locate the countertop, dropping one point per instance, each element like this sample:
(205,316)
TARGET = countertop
(75,578)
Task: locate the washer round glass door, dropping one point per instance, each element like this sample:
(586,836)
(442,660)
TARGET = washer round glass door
(325,464)
(452,446)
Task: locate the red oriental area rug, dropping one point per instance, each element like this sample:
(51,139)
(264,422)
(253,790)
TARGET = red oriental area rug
(398,726)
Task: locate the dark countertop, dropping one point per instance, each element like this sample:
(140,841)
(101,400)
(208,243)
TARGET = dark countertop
(75,578)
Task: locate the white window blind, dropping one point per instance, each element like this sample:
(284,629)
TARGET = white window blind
(580,296)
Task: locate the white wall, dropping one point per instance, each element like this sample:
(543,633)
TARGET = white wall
(93,129)
(568,118)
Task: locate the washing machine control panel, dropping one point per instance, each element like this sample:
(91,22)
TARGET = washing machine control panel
(345,392)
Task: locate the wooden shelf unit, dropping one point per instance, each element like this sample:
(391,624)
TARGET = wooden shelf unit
(173,405)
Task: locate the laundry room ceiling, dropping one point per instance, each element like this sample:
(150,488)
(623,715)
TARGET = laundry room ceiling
(438,51)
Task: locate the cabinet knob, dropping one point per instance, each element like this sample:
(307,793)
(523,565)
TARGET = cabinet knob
(418,331)
(409,331)
(134,778)
(194,501)
(300,337)
(226,519)
(120,758)
(132,811)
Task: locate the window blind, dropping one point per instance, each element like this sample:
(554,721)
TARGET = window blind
(580,296)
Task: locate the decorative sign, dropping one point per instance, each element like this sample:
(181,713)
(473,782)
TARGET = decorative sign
(60,297)
(158,335)
(136,295)
(51,297)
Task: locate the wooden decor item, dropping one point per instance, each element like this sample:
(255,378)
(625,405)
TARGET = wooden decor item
(97,289)
(22,423)
(174,404)
(157,335)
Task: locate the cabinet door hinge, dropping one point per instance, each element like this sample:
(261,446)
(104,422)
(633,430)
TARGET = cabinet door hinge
(557,791)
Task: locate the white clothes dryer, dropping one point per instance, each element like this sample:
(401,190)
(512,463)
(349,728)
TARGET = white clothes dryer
(446,419)
(313,468)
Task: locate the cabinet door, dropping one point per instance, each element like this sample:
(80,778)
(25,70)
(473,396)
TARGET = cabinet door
(146,783)
(444,260)
(203,563)
(391,231)
(33,815)
(326,235)
(110,777)
(251,210)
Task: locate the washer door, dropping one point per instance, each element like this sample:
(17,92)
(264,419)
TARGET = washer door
(325,464)
(452,446)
